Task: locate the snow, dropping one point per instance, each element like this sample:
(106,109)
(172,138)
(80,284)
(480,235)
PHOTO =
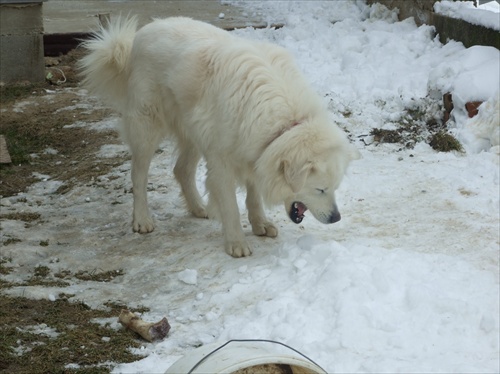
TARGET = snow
(41,329)
(473,75)
(188,276)
(484,125)
(485,15)
(407,281)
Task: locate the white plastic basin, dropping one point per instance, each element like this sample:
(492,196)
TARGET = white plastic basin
(245,356)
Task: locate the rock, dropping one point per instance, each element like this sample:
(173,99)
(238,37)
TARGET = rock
(472,107)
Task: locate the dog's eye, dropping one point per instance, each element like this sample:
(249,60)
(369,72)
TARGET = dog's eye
(320,190)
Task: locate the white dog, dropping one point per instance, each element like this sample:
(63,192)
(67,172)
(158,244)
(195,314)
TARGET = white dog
(242,105)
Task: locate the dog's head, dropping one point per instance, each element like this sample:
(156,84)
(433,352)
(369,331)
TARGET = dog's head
(313,188)
(303,168)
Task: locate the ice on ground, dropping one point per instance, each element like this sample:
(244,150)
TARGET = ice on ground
(111,123)
(188,276)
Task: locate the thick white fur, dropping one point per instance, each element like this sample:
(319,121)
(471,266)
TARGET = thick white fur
(240,104)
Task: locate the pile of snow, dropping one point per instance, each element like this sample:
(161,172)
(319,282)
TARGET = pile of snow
(375,69)
(485,125)
(407,281)
(485,15)
(472,74)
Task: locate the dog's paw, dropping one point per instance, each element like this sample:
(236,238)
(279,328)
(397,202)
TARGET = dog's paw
(238,249)
(143,226)
(199,212)
(265,228)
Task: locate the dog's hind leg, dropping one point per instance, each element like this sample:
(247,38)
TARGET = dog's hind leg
(185,173)
(261,226)
(143,142)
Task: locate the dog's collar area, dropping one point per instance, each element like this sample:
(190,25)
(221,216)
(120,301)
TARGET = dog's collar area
(293,124)
(282,131)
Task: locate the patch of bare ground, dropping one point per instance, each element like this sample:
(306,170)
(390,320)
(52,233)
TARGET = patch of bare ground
(61,336)
(34,120)
(42,336)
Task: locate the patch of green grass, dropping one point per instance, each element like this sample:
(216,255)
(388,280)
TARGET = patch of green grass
(419,124)
(386,136)
(19,151)
(93,275)
(105,276)
(23,141)
(3,269)
(40,278)
(445,142)
(23,216)
(34,281)
(9,93)
(79,341)
(11,241)
(41,271)
(118,307)
(63,274)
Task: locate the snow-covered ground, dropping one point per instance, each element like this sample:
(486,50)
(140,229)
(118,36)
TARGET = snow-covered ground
(407,281)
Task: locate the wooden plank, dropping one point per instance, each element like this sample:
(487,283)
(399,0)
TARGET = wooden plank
(4,152)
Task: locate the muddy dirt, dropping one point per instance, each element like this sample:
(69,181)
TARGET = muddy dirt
(37,120)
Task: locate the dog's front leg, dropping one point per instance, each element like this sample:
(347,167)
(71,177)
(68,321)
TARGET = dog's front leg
(261,226)
(222,189)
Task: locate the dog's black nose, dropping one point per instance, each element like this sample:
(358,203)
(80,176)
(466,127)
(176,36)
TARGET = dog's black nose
(334,217)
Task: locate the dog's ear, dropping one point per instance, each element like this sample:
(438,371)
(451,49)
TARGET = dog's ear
(295,176)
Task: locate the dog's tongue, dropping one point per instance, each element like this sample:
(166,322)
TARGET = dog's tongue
(297,212)
(301,209)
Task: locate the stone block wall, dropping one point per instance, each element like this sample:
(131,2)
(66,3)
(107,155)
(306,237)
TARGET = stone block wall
(447,28)
(21,41)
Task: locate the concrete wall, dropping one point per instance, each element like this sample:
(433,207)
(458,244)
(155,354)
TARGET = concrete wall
(21,41)
(447,28)
(467,33)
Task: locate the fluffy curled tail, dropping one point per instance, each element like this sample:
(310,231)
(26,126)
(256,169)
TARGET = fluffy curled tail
(105,67)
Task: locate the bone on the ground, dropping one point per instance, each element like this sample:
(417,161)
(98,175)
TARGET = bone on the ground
(148,330)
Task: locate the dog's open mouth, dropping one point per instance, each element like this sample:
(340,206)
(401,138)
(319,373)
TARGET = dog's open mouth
(297,211)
